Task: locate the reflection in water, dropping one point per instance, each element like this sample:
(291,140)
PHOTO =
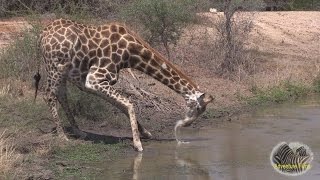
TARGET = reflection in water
(136,164)
(196,169)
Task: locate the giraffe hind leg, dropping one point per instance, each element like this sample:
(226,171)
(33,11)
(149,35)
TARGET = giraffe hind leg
(52,101)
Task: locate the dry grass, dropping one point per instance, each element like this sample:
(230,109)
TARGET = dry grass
(8,155)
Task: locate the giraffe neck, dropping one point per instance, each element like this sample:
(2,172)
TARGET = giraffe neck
(152,63)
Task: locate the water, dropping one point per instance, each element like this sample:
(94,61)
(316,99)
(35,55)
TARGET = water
(235,150)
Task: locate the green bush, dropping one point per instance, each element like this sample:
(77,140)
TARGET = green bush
(96,8)
(19,59)
(306,5)
(277,94)
(163,19)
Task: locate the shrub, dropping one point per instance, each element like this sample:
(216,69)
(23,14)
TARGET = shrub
(96,8)
(19,59)
(163,19)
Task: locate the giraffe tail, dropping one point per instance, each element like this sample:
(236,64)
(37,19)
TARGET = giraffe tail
(36,78)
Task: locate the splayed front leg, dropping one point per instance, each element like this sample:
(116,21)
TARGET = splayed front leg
(182,123)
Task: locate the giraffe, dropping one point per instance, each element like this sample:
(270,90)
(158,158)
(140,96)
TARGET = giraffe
(92,56)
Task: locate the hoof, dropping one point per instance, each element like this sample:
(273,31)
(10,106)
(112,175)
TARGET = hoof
(63,137)
(138,147)
(146,135)
(80,134)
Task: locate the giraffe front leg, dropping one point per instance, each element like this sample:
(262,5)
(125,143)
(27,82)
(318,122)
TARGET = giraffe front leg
(107,92)
(63,100)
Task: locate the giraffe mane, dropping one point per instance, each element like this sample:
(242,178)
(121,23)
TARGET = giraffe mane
(161,57)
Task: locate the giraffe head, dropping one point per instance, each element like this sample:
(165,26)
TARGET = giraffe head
(196,103)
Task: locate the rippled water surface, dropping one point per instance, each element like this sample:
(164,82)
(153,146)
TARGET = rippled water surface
(239,149)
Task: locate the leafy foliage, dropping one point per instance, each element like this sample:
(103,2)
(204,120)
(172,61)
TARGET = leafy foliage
(163,19)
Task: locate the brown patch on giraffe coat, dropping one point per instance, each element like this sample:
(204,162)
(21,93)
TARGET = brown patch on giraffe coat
(96,40)
(146,54)
(122,30)
(47,48)
(114,47)
(119,51)
(112,67)
(108,76)
(99,75)
(128,37)
(62,31)
(183,82)
(154,63)
(76,62)
(94,61)
(176,78)
(56,28)
(134,60)
(102,71)
(59,37)
(92,44)
(115,58)
(92,32)
(177,86)
(165,72)
(86,33)
(105,27)
(84,64)
(114,38)
(83,39)
(98,35)
(99,52)
(56,22)
(53,41)
(66,44)
(174,73)
(92,53)
(84,49)
(104,43)
(113,28)
(80,54)
(150,70)
(65,50)
(165,81)
(107,51)
(122,44)
(143,65)
(104,62)
(135,48)
(77,46)
(105,33)
(159,76)
(71,36)
(125,55)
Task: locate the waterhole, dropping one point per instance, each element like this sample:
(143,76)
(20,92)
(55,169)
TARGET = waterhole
(237,149)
